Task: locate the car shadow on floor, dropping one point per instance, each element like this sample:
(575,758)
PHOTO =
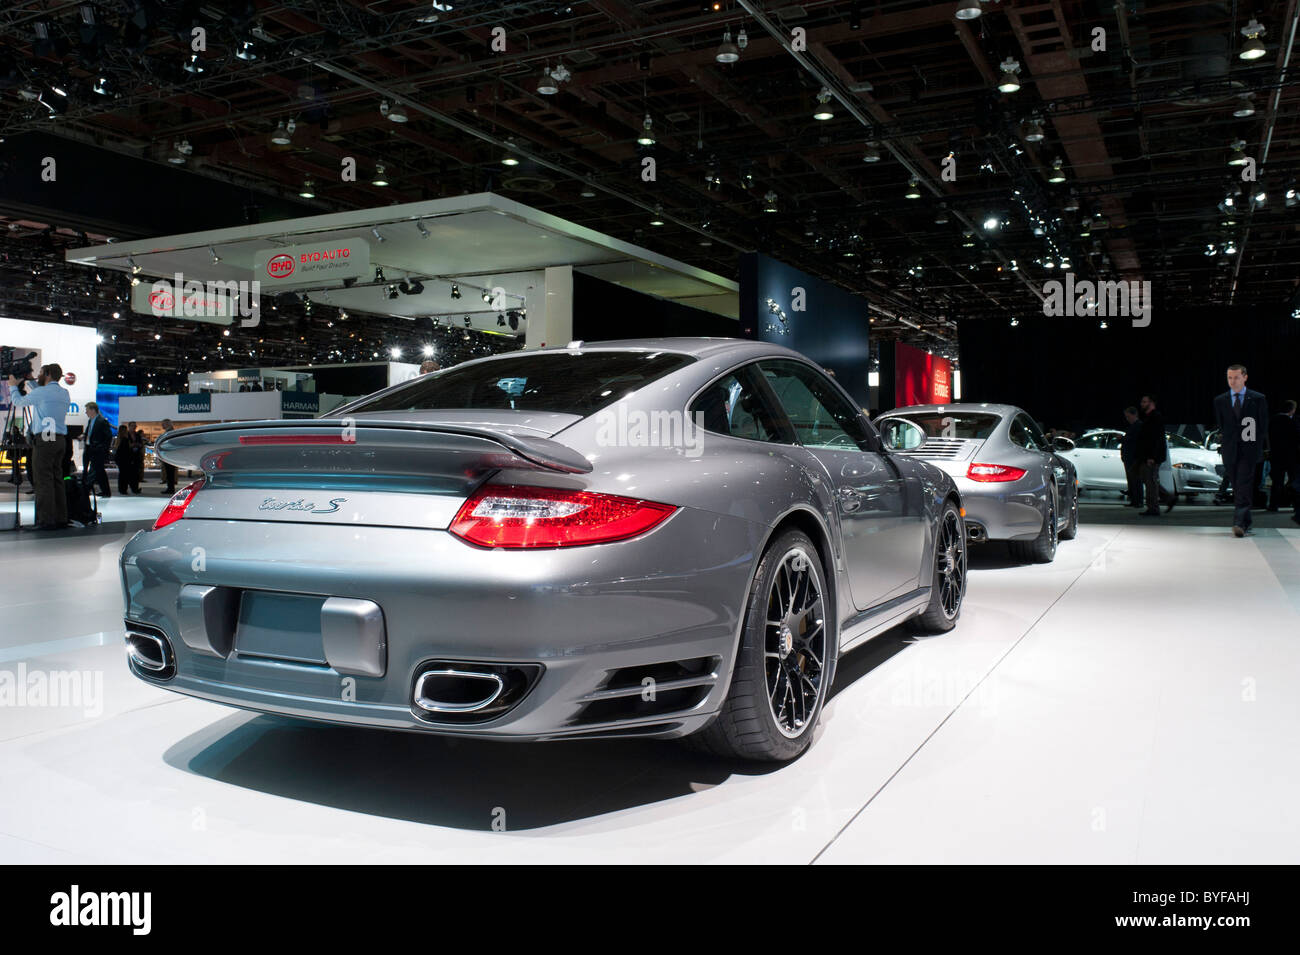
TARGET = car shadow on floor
(466,783)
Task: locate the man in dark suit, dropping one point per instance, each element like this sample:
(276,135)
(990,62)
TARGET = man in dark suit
(1242,415)
(1283,454)
(98,438)
(1151,454)
(1128,453)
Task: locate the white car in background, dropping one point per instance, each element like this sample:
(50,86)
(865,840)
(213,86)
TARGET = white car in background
(1189,469)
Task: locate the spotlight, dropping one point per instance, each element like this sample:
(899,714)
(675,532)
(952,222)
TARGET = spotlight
(547,86)
(487,299)
(192,64)
(1058,170)
(1033,131)
(455,291)
(770,201)
(1237,156)
(1253,48)
(913,190)
(395,352)
(1245,107)
(647,137)
(510,159)
(941,217)
(1071,204)
(308,190)
(246,51)
(871,154)
(1260,197)
(419,227)
(135,269)
(283,134)
(379,236)
(1230,248)
(992,223)
(1292,197)
(588,192)
(381,177)
(658,218)
(728,52)
(395,114)
(100,86)
(968,10)
(181,150)
(428,351)
(823,110)
(501,320)
(379,274)
(1008,82)
(391,291)
(213,252)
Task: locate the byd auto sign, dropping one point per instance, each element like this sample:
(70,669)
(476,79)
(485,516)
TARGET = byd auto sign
(313,264)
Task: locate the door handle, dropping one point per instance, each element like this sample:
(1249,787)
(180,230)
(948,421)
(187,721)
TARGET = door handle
(850,499)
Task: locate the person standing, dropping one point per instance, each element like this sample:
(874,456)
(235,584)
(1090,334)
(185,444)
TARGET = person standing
(168,470)
(99,439)
(1283,454)
(1242,415)
(1151,454)
(1128,453)
(49,402)
(124,455)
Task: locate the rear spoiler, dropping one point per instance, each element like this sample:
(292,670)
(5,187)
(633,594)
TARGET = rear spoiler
(195,448)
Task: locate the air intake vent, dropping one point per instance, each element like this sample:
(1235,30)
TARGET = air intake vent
(947,448)
(634,693)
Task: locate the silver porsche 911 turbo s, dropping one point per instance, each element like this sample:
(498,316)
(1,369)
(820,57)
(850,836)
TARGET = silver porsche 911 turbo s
(1014,484)
(662,538)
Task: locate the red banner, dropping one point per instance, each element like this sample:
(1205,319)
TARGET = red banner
(920,378)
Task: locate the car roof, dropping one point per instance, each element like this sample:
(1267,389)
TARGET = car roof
(968,406)
(739,348)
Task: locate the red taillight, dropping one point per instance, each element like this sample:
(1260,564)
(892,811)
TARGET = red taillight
(511,516)
(994,472)
(175,508)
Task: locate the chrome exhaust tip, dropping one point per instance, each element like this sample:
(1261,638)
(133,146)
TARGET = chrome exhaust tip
(975,532)
(457,691)
(149,653)
(463,691)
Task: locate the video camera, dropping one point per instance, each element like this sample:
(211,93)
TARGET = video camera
(12,365)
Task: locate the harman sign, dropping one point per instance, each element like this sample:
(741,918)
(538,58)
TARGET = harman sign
(312,264)
(302,402)
(200,403)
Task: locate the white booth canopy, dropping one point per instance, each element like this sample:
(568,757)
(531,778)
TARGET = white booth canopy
(477,243)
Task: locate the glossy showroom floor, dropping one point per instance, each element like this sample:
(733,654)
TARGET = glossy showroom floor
(1133,702)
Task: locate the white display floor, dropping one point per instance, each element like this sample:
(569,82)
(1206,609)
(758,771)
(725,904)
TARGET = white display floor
(1135,701)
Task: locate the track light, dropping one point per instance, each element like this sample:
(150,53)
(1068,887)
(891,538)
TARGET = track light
(770,201)
(246,51)
(100,86)
(379,236)
(1253,48)
(1260,197)
(1237,155)
(379,273)
(135,269)
(381,177)
(823,110)
(308,190)
(1292,197)
(192,64)
(968,10)
(728,52)
(419,227)
(486,296)
(213,252)
(647,137)
(455,290)
(1009,81)
(913,190)
(1057,174)
(1230,248)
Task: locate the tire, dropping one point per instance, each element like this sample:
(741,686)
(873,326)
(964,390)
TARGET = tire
(761,719)
(948,586)
(1042,549)
(1072,528)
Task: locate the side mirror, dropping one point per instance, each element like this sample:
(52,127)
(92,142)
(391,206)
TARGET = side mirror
(1062,444)
(899,434)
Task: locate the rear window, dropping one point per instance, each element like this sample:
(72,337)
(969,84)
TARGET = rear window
(570,382)
(954,424)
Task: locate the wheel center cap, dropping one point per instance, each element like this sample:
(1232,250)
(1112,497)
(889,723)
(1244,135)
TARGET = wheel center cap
(784,640)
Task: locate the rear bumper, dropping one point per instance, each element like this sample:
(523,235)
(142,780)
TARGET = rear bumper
(1012,511)
(598,620)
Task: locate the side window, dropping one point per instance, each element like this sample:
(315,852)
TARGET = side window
(1093,442)
(1021,435)
(821,417)
(731,406)
(1112,441)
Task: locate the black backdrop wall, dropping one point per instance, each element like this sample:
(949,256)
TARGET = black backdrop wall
(603,311)
(1069,373)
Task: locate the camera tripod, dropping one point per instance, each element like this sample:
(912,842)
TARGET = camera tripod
(17,444)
